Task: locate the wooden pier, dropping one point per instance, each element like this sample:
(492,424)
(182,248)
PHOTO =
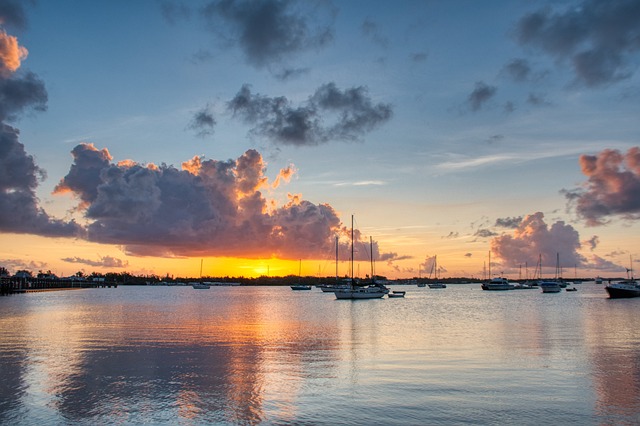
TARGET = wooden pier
(31,285)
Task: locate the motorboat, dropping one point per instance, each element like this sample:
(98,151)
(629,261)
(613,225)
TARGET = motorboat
(550,286)
(497,284)
(396,293)
(300,287)
(200,286)
(437,285)
(626,288)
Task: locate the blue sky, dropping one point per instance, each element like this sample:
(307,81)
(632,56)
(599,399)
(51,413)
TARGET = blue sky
(432,122)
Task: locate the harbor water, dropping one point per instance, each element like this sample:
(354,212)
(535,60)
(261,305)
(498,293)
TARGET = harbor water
(270,355)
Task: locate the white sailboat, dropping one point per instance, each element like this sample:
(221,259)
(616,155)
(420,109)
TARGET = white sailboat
(300,286)
(372,291)
(434,268)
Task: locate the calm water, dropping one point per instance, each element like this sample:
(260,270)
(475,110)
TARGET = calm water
(231,355)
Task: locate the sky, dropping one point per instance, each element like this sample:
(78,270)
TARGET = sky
(162,137)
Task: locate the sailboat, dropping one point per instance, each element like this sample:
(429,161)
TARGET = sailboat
(372,291)
(554,286)
(330,288)
(434,267)
(300,286)
(626,288)
(200,285)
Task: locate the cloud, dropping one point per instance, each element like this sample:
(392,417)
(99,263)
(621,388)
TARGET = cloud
(612,187)
(350,113)
(509,222)
(419,57)
(592,242)
(480,95)
(597,38)
(174,11)
(534,238)
(12,13)
(11,54)
(468,254)
(371,30)
(20,93)
(19,208)
(104,262)
(518,69)
(209,207)
(285,175)
(291,73)
(271,31)
(451,235)
(485,233)
(203,122)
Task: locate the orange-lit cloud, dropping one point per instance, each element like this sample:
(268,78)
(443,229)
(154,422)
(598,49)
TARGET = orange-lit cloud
(11,54)
(612,187)
(209,208)
(285,175)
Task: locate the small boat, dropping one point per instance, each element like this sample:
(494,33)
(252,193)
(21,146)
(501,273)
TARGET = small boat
(598,280)
(497,284)
(396,293)
(434,268)
(571,289)
(421,285)
(300,287)
(200,286)
(550,287)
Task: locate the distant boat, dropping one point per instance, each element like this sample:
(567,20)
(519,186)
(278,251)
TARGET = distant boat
(571,289)
(396,293)
(556,285)
(598,280)
(372,291)
(434,268)
(550,286)
(200,286)
(626,288)
(498,284)
(300,286)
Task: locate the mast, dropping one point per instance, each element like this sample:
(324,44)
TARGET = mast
(351,250)
(336,258)
(371,250)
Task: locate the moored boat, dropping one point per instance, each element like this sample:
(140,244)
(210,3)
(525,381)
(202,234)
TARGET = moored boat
(624,289)
(550,286)
(199,286)
(498,284)
(396,293)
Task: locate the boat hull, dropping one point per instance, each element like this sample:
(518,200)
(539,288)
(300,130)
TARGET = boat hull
(361,293)
(622,291)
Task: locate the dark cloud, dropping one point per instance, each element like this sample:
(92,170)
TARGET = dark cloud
(480,95)
(203,122)
(537,100)
(208,207)
(418,57)
(349,115)
(291,73)
(509,107)
(509,222)
(270,31)
(597,37)
(19,207)
(451,235)
(592,242)
(104,262)
(612,187)
(518,69)
(484,233)
(12,13)
(18,93)
(533,238)
(372,31)
(174,11)
(468,254)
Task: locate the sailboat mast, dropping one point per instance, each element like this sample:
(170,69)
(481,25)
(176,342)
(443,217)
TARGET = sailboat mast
(336,258)
(371,249)
(352,250)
